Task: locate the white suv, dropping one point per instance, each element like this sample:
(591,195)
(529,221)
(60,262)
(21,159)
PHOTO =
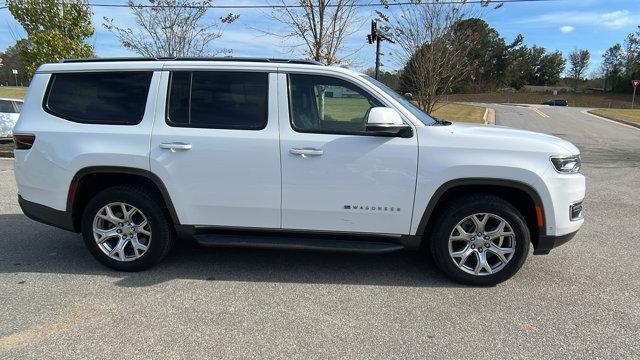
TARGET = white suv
(136,153)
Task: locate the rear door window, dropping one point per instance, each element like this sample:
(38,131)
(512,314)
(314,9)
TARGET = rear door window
(117,98)
(218,100)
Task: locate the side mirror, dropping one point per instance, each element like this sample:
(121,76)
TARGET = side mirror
(408,95)
(386,122)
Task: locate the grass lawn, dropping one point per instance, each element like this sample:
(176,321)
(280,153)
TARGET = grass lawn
(352,109)
(345,109)
(627,115)
(13,92)
(459,112)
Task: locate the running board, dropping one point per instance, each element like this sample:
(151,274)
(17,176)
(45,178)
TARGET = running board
(296,243)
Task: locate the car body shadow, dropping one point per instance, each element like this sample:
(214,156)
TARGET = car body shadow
(28,246)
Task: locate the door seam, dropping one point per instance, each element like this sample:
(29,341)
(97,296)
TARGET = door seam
(277,94)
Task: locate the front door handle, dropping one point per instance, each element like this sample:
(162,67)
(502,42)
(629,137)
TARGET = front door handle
(305,152)
(175,146)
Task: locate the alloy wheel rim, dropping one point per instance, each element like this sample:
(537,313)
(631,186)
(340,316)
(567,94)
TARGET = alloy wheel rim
(482,244)
(121,231)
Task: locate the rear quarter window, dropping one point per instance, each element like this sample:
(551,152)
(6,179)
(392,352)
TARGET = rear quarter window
(116,98)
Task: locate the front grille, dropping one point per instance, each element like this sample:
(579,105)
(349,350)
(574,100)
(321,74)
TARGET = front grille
(575,211)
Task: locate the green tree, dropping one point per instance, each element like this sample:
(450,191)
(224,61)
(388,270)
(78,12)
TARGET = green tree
(534,66)
(632,61)
(579,61)
(389,78)
(489,54)
(518,71)
(548,68)
(613,64)
(55,30)
(11,61)
(632,47)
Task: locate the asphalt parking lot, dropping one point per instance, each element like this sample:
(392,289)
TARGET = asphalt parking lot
(581,301)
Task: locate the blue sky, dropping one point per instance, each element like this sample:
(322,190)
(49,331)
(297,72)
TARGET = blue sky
(560,24)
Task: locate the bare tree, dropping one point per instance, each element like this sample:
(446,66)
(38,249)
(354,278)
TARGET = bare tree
(433,48)
(170,28)
(319,27)
(579,61)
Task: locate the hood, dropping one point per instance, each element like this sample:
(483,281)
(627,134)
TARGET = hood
(502,137)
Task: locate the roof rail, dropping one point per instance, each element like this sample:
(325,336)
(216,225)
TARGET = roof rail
(220,58)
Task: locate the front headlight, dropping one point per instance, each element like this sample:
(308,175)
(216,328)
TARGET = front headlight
(567,164)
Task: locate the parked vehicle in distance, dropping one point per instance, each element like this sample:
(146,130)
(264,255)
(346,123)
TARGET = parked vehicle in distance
(9,113)
(136,154)
(556,102)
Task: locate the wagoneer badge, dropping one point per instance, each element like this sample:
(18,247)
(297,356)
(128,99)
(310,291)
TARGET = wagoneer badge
(372,208)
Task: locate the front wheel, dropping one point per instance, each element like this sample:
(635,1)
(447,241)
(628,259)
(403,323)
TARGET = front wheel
(125,228)
(480,240)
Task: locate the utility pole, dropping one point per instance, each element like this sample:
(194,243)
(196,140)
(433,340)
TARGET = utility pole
(377,36)
(377,58)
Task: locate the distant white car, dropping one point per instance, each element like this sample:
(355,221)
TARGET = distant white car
(9,113)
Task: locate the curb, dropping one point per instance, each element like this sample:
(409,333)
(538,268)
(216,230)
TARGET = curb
(489,116)
(628,123)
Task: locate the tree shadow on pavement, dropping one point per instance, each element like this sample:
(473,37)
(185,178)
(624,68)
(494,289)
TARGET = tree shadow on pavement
(28,246)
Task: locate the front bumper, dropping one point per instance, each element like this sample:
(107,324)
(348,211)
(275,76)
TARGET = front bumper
(565,191)
(564,211)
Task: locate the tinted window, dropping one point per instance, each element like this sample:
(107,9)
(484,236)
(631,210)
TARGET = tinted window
(100,97)
(328,105)
(18,105)
(218,99)
(6,106)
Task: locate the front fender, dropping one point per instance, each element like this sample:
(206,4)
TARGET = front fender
(430,190)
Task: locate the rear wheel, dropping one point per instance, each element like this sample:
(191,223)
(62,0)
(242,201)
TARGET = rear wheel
(126,228)
(480,240)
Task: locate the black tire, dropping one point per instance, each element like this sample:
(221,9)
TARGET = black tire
(162,232)
(463,207)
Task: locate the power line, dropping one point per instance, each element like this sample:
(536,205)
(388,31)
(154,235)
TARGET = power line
(280,6)
(285,6)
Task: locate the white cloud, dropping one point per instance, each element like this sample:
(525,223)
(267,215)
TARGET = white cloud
(618,19)
(567,29)
(613,20)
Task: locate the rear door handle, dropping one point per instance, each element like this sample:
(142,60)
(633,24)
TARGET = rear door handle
(305,152)
(175,146)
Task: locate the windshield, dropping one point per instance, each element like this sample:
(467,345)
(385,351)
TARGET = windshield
(416,111)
